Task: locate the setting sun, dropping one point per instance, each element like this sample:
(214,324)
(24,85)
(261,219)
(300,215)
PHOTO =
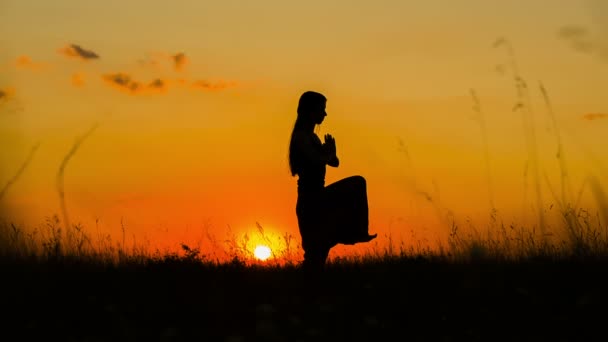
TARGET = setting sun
(262,252)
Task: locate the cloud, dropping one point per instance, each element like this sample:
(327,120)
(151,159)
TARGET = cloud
(599,14)
(213,86)
(78,80)
(594,116)
(76,51)
(25,62)
(149,62)
(179,61)
(578,37)
(182,81)
(582,40)
(122,81)
(158,84)
(126,83)
(156,60)
(8,102)
(572,32)
(6,94)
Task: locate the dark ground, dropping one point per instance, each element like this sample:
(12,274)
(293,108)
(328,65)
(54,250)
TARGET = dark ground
(404,300)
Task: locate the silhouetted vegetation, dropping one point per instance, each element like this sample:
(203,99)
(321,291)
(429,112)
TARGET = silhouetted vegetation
(507,286)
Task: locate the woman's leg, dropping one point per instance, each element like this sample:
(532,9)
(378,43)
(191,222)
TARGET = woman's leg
(315,257)
(315,239)
(350,194)
(348,210)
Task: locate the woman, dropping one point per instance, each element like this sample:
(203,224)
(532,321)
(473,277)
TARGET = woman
(328,215)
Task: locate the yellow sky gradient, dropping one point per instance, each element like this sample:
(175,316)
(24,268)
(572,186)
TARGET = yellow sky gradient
(195,102)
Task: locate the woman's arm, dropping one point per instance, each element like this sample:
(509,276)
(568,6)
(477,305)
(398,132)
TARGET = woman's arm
(313,151)
(330,146)
(334,162)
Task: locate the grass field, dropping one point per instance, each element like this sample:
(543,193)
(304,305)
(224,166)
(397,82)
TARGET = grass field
(470,290)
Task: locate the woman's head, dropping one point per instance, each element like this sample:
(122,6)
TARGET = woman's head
(311,107)
(311,112)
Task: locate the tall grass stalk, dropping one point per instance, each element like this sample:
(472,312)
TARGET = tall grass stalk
(443,214)
(600,198)
(480,118)
(60,173)
(19,172)
(524,105)
(566,187)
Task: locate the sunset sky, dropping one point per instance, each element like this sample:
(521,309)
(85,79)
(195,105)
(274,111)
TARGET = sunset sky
(194,102)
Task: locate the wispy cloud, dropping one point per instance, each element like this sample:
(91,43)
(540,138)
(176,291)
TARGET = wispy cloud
(158,84)
(78,80)
(583,40)
(594,116)
(8,102)
(599,14)
(182,82)
(179,61)
(214,85)
(578,37)
(26,62)
(76,51)
(126,83)
(122,81)
(149,62)
(155,60)
(6,94)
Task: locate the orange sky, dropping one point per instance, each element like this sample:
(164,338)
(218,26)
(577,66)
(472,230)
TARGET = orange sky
(195,103)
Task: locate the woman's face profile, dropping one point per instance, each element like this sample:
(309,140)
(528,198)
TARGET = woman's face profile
(319,114)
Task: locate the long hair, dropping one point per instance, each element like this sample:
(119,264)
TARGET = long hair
(309,100)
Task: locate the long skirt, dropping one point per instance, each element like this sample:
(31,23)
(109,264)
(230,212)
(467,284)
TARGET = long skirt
(336,214)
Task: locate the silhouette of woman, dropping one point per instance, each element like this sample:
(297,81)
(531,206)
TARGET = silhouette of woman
(327,215)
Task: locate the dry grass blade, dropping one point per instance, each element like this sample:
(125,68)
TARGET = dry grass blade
(61,171)
(19,172)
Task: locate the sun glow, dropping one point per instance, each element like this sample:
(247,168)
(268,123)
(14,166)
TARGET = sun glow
(262,252)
